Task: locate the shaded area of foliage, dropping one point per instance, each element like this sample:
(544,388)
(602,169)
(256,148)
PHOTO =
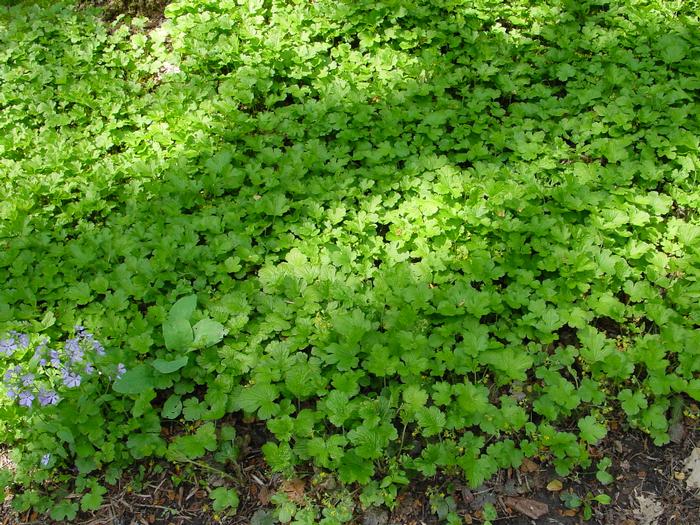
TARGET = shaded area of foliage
(152,9)
(440,235)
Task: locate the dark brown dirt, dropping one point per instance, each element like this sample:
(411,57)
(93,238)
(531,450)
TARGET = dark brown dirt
(642,472)
(152,10)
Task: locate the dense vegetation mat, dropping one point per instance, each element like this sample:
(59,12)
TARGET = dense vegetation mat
(411,237)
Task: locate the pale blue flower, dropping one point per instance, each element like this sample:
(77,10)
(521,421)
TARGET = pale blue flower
(71,379)
(73,350)
(55,360)
(26,398)
(8,346)
(48,397)
(97,346)
(45,460)
(121,370)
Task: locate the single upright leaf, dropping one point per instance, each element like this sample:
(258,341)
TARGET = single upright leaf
(338,407)
(183,308)
(178,334)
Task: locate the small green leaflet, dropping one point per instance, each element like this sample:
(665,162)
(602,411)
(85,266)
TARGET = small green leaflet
(193,446)
(172,408)
(354,468)
(224,499)
(513,362)
(260,397)
(64,511)
(478,470)
(338,408)
(431,420)
(208,332)
(93,499)
(595,346)
(168,367)
(673,48)
(279,457)
(193,409)
(414,398)
(632,402)
(591,430)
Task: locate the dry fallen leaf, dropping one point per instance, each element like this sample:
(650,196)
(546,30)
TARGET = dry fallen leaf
(568,512)
(529,507)
(677,432)
(528,466)
(294,489)
(264,495)
(555,485)
(649,510)
(692,466)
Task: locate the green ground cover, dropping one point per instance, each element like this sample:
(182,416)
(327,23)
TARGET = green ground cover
(409,236)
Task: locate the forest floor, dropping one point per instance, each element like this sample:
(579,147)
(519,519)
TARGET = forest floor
(651,487)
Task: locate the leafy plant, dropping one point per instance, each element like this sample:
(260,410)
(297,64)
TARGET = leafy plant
(439,238)
(585,503)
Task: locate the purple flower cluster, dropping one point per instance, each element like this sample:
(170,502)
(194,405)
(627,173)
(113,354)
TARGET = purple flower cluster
(13,343)
(22,386)
(65,367)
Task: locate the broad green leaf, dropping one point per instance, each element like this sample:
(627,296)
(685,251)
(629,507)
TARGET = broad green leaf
(414,398)
(135,380)
(258,397)
(338,407)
